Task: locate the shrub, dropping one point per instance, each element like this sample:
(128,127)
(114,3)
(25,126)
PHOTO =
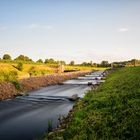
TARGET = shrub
(6,57)
(17,85)
(20,66)
(32,71)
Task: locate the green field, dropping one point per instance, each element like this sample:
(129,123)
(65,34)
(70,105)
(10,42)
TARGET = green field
(8,69)
(112,112)
(67,67)
(37,69)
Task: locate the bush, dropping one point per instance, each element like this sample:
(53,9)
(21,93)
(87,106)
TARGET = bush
(20,66)
(6,57)
(32,71)
(17,85)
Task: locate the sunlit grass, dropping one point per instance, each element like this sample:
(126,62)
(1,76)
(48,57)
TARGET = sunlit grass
(83,68)
(112,112)
(40,68)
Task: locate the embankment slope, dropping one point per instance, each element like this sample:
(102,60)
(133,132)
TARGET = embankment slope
(111,112)
(9,90)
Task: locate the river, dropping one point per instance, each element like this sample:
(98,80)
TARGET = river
(27,117)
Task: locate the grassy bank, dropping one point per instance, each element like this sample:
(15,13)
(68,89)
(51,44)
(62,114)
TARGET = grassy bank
(9,89)
(36,69)
(111,112)
(9,70)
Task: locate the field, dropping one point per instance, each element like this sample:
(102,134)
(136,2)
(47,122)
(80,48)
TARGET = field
(38,69)
(111,112)
(83,68)
(9,70)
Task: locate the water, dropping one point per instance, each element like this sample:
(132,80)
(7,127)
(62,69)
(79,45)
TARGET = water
(27,117)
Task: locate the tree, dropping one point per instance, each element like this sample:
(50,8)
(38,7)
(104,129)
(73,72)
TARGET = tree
(50,61)
(134,62)
(61,62)
(39,61)
(6,57)
(72,63)
(104,64)
(23,58)
(87,63)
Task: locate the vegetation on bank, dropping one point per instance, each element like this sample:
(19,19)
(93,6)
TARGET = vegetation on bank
(111,112)
(20,87)
(14,71)
(25,67)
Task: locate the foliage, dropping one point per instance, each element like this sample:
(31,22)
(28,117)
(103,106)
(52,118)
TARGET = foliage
(79,67)
(104,64)
(6,57)
(52,61)
(72,63)
(88,64)
(20,66)
(17,85)
(111,112)
(8,76)
(39,61)
(23,58)
(50,125)
(33,71)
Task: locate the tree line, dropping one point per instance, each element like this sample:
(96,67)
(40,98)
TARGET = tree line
(23,58)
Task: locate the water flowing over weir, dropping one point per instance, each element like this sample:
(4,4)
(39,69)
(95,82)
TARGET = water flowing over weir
(27,117)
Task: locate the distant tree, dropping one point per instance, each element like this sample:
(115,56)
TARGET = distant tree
(104,64)
(84,63)
(134,62)
(72,63)
(39,61)
(62,62)
(91,63)
(87,63)
(23,58)
(94,64)
(6,57)
(50,61)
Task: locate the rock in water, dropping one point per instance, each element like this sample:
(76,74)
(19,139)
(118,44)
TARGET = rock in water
(74,97)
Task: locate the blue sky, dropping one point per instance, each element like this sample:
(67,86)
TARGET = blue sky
(80,30)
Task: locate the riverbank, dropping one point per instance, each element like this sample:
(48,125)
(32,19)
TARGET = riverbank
(15,88)
(112,111)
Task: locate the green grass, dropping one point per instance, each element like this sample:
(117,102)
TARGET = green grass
(39,69)
(112,112)
(83,68)
(35,69)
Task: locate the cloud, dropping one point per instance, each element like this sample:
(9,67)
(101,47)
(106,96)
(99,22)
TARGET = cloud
(40,27)
(3,28)
(123,30)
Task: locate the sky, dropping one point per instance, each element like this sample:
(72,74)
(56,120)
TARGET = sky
(79,30)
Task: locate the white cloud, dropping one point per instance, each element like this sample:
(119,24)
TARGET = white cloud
(3,28)
(123,30)
(40,27)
